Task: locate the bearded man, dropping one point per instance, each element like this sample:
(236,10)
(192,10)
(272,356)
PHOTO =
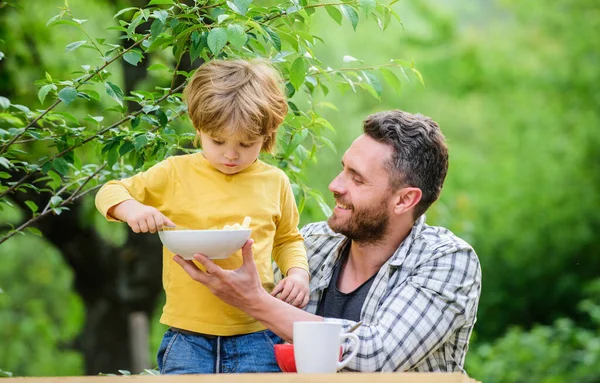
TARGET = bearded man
(415,287)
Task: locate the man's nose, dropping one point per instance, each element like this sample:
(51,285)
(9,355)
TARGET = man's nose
(337,185)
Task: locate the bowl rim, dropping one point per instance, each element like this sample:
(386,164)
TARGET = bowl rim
(210,231)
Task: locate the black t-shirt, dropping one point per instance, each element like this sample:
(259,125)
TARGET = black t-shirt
(334,303)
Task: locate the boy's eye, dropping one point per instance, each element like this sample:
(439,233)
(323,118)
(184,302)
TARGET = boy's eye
(217,142)
(245,145)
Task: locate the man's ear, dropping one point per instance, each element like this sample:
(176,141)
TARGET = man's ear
(406,199)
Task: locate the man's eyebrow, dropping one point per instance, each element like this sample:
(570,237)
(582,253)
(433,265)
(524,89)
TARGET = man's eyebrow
(354,171)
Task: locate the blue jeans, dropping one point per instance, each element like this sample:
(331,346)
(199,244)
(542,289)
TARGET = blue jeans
(189,353)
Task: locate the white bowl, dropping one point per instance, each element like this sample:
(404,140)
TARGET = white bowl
(215,244)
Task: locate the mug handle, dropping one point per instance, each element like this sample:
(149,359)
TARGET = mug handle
(347,360)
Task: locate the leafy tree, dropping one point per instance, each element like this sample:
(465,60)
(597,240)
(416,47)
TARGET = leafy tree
(561,352)
(95,127)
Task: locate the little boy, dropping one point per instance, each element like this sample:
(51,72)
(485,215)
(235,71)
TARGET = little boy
(236,108)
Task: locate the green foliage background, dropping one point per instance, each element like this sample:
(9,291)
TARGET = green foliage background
(515,87)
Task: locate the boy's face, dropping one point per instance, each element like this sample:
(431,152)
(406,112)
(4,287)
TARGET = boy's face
(230,154)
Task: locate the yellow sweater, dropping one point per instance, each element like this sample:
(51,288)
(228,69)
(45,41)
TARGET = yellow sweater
(195,195)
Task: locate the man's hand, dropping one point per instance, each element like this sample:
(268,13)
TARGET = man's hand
(293,289)
(141,218)
(240,288)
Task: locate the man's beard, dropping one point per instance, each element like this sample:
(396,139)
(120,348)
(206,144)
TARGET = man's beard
(366,225)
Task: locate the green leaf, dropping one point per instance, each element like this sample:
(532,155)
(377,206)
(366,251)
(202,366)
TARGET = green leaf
(55,200)
(158,67)
(22,108)
(239,6)
(135,122)
(123,11)
(334,13)
(96,119)
(274,38)
(113,156)
(329,144)
(419,75)
(65,22)
(140,142)
(32,206)
(34,231)
(61,165)
(114,92)
(133,57)
(5,162)
(43,92)
(236,35)
(160,2)
(4,102)
(222,18)
(391,79)
(298,72)
(75,45)
(295,140)
(126,148)
(163,120)
(93,94)
(67,94)
(373,81)
(350,14)
(198,44)
(156,27)
(367,6)
(161,15)
(289,90)
(217,38)
(6,374)
(53,18)
(322,204)
(56,180)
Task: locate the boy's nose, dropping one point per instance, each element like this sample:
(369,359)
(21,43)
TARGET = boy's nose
(231,155)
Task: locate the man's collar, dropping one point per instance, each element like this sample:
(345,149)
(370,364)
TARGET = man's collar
(403,250)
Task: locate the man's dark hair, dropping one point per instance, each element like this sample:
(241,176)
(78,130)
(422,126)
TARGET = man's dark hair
(420,157)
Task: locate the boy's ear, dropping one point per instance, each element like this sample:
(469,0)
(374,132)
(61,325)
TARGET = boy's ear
(406,199)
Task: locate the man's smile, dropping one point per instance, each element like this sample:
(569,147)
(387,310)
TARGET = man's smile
(343,206)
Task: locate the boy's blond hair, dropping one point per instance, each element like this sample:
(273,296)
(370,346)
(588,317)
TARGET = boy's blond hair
(239,96)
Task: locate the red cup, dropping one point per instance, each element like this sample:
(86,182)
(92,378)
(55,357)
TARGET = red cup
(284,355)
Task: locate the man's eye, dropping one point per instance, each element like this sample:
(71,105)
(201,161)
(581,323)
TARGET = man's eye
(357,180)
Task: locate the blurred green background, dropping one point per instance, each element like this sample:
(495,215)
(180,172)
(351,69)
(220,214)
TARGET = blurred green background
(515,87)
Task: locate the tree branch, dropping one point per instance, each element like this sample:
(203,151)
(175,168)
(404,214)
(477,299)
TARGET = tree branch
(58,101)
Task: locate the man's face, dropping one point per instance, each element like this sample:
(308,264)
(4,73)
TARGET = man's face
(362,192)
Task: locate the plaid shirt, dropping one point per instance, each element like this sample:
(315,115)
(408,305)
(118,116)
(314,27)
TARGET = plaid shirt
(422,305)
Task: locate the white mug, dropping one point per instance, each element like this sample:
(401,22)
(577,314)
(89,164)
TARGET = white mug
(317,347)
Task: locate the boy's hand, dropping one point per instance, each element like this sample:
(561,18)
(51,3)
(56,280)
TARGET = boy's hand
(141,218)
(293,289)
